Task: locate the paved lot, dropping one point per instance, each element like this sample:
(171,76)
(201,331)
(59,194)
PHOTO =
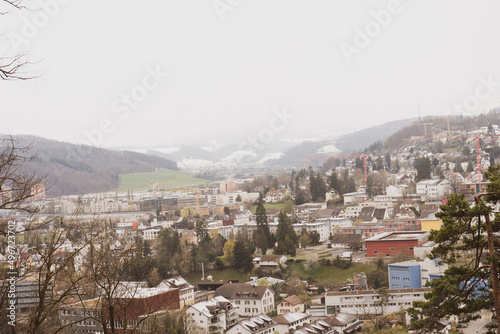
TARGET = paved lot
(478,326)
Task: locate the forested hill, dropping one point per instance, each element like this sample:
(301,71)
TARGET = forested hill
(80,169)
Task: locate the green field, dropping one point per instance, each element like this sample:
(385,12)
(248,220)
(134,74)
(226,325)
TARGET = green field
(226,274)
(268,207)
(166,178)
(330,273)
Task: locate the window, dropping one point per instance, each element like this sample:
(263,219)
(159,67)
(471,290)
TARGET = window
(411,248)
(375,252)
(387,254)
(391,249)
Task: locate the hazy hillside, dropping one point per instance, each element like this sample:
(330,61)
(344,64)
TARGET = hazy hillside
(359,140)
(79,169)
(439,126)
(347,144)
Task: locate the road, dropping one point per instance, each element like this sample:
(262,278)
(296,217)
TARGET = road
(478,326)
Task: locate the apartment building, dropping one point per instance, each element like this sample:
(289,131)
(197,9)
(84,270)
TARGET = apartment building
(363,302)
(214,316)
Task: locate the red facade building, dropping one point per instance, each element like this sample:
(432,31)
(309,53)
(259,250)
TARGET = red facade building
(395,243)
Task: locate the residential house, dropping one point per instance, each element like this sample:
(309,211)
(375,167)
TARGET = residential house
(251,300)
(371,214)
(344,323)
(270,262)
(260,324)
(333,195)
(291,304)
(346,240)
(267,281)
(318,326)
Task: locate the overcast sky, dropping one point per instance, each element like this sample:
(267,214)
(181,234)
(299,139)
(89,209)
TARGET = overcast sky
(335,66)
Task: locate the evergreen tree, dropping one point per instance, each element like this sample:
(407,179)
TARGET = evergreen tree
(379,163)
(379,278)
(262,235)
(388,161)
(242,257)
(334,182)
(369,185)
(470,168)
(348,185)
(290,246)
(423,169)
(470,284)
(285,235)
(317,187)
(300,198)
(458,168)
(358,163)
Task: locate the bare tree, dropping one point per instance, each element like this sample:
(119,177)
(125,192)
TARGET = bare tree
(111,301)
(378,318)
(49,271)
(12,66)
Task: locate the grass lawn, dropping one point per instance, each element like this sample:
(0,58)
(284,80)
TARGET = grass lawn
(268,207)
(323,254)
(225,274)
(166,178)
(330,273)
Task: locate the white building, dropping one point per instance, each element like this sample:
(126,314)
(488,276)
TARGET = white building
(363,302)
(355,198)
(423,250)
(290,321)
(397,190)
(355,210)
(322,228)
(151,233)
(214,316)
(434,188)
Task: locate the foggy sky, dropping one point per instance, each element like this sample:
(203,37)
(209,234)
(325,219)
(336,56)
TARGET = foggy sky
(336,66)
